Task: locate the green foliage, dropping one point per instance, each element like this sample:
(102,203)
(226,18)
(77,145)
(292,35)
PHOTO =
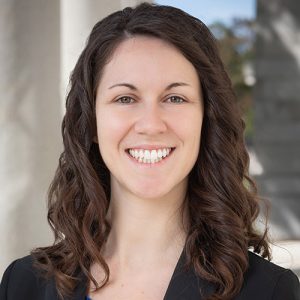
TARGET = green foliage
(236,46)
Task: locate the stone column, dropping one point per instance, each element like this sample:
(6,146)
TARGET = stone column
(30,115)
(277,112)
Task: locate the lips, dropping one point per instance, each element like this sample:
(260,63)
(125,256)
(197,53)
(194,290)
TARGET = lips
(147,165)
(169,151)
(149,147)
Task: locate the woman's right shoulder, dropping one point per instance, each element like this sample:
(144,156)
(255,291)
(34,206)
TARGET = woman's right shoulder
(21,280)
(20,267)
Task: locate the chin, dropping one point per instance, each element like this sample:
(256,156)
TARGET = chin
(150,193)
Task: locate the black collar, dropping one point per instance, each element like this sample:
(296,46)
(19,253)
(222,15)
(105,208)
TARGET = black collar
(184,285)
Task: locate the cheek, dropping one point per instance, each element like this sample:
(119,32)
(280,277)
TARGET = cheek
(193,134)
(189,124)
(110,126)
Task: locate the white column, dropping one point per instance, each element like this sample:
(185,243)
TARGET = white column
(30,116)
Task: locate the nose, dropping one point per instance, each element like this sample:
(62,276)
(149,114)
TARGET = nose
(151,120)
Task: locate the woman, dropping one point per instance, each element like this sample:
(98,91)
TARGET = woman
(151,198)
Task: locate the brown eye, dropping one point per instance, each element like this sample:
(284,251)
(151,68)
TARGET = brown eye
(124,100)
(176,99)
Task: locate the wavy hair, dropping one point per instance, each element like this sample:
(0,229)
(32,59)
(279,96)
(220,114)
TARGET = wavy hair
(222,201)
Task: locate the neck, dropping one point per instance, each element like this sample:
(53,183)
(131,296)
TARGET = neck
(145,231)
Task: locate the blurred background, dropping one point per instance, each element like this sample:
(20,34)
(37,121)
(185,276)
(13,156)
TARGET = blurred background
(40,42)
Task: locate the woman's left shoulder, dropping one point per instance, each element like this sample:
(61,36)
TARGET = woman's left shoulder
(266,280)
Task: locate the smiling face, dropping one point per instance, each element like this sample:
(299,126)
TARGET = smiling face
(149,95)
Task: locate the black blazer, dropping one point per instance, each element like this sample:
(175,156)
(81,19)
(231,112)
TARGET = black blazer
(263,281)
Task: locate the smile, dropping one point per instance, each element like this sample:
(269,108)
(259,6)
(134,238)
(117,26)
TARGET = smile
(150,157)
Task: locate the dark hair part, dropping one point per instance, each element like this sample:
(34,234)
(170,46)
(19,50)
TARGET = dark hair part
(222,199)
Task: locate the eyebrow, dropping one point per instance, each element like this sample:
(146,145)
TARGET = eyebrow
(132,87)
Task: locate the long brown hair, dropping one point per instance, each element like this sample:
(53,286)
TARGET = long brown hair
(222,199)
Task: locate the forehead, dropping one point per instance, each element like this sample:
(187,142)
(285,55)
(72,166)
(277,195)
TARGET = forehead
(142,57)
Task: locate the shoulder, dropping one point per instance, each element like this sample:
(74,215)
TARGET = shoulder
(22,274)
(22,280)
(266,280)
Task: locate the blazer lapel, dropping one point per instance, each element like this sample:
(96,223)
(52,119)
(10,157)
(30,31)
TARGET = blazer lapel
(185,284)
(78,294)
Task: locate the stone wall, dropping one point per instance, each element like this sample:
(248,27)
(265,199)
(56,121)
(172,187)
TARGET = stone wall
(277,112)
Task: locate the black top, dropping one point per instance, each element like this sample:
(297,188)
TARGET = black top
(262,281)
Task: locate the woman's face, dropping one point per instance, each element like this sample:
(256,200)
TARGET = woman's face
(149,97)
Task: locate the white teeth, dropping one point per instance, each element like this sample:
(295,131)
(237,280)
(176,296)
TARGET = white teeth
(159,153)
(135,152)
(149,156)
(153,155)
(141,154)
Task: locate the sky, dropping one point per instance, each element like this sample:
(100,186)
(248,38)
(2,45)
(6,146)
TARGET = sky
(209,11)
